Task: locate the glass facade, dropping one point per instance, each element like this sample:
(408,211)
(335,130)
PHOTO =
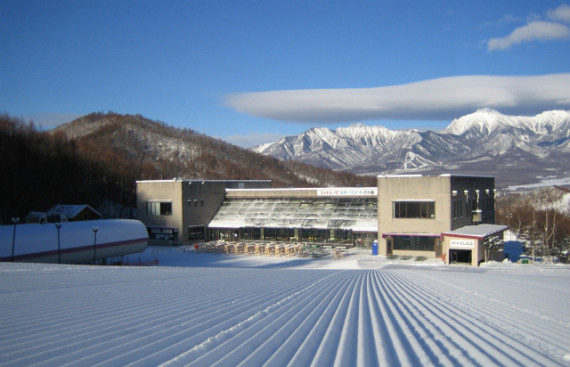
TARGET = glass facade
(196,233)
(338,220)
(162,233)
(414,243)
(414,209)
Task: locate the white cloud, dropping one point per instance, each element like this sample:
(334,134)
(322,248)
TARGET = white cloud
(533,31)
(436,99)
(536,29)
(504,20)
(562,13)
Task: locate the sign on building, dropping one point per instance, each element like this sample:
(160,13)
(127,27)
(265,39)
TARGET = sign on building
(462,244)
(350,191)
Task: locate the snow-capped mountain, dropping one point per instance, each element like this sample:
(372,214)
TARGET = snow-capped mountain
(487,121)
(515,149)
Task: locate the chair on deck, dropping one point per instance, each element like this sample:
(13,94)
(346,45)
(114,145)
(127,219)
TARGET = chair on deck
(270,249)
(260,249)
(250,249)
(239,248)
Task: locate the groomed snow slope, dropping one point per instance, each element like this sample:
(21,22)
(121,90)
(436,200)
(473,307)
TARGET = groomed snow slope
(270,313)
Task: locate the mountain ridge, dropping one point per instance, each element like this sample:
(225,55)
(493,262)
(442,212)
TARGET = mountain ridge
(515,149)
(184,153)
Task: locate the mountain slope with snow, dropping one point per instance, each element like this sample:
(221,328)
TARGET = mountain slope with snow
(487,122)
(515,149)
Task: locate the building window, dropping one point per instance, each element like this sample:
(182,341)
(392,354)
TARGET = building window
(414,243)
(194,203)
(158,208)
(474,205)
(162,233)
(196,234)
(458,210)
(414,209)
(490,204)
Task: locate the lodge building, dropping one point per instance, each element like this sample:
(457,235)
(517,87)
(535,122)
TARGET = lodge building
(447,216)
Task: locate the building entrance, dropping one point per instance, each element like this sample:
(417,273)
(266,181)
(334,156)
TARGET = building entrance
(389,246)
(460,256)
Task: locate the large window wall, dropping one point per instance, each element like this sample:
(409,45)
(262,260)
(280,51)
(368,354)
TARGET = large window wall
(318,219)
(415,243)
(296,235)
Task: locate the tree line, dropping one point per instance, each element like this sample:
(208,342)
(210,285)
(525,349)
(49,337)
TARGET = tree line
(539,219)
(39,170)
(97,159)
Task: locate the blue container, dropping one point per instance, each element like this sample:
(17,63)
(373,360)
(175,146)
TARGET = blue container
(375,248)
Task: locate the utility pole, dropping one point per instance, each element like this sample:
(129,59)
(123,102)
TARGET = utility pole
(58,226)
(95,229)
(15,220)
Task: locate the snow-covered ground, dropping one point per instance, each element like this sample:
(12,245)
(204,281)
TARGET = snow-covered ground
(544,182)
(211,309)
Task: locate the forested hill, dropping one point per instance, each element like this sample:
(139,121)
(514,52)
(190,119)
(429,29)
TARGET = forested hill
(97,158)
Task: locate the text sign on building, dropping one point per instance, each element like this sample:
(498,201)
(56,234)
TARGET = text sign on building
(462,243)
(351,191)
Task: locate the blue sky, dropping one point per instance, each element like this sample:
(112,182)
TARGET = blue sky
(203,64)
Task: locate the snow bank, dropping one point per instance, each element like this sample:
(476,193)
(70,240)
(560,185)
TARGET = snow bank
(76,240)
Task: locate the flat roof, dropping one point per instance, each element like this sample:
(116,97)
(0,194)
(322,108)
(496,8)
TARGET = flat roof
(199,180)
(417,234)
(477,231)
(411,175)
(371,192)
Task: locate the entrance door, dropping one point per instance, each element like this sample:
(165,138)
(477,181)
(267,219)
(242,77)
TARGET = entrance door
(389,246)
(460,256)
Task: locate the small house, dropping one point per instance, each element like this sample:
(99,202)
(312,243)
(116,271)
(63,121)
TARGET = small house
(74,213)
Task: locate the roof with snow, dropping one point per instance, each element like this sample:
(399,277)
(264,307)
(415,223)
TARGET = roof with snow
(356,214)
(477,231)
(71,211)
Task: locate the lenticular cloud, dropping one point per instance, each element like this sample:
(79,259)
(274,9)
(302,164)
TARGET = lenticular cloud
(437,99)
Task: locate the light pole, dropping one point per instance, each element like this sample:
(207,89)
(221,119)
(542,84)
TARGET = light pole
(58,226)
(95,229)
(15,220)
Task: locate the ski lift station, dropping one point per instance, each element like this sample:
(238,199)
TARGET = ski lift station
(446,216)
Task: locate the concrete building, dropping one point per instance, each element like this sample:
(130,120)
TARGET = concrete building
(179,211)
(448,216)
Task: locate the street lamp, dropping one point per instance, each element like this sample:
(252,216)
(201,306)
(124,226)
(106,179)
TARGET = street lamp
(95,229)
(58,226)
(15,220)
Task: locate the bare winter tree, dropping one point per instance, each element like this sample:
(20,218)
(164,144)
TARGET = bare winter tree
(535,219)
